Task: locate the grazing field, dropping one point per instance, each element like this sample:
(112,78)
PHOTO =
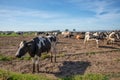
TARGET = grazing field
(74,60)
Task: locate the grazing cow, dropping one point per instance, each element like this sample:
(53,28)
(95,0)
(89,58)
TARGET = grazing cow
(89,37)
(37,46)
(112,37)
(67,34)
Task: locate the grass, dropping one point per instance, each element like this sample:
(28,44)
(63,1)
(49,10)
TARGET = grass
(5,58)
(114,75)
(15,35)
(25,58)
(45,55)
(8,58)
(61,55)
(12,34)
(90,53)
(87,77)
(7,75)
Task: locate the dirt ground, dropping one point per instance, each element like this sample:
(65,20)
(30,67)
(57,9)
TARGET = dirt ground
(74,58)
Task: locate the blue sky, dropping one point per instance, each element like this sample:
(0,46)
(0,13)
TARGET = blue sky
(45,15)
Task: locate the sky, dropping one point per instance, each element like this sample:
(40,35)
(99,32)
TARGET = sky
(47,15)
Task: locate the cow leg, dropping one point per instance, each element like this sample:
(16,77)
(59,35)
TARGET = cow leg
(37,63)
(51,56)
(33,71)
(55,57)
(55,52)
(33,61)
(97,43)
(38,68)
(85,43)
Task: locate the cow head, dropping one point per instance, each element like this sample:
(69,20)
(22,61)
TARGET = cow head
(22,50)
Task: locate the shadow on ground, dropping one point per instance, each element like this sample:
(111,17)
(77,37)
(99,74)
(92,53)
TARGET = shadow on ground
(108,47)
(70,68)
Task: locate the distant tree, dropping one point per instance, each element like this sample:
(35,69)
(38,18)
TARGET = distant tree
(66,29)
(74,30)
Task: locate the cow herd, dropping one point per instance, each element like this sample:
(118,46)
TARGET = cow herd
(110,36)
(47,43)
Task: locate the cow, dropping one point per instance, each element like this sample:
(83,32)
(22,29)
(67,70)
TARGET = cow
(78,37)
(67,34)
(112,37)
(89,37)
(103,35)
(36,47)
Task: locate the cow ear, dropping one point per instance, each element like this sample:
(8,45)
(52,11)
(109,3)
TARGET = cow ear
(24,42)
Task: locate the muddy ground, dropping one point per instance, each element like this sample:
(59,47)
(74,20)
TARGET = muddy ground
(73,57)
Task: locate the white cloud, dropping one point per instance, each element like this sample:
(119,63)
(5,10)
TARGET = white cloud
(28,13)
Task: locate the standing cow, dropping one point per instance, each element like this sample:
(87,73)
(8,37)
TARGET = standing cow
(112,37)
(37,46)
(91,37)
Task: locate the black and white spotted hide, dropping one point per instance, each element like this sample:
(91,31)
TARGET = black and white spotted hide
(36,47)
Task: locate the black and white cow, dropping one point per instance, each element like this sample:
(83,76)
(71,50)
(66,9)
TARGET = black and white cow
(90,37)
(103,35)
(112,37)
(37,46)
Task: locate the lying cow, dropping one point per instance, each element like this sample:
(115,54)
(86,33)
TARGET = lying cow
(36,47)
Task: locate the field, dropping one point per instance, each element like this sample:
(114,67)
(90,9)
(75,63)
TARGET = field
(73,58)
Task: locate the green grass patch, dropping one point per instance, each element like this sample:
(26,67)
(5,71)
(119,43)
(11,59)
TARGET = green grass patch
(91,53)
(114,75)
(12,34)
(45,55)
(7,75)
(87,77)
(61,55)
(25,58)
(9,58)
(15,34)
(5,58)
